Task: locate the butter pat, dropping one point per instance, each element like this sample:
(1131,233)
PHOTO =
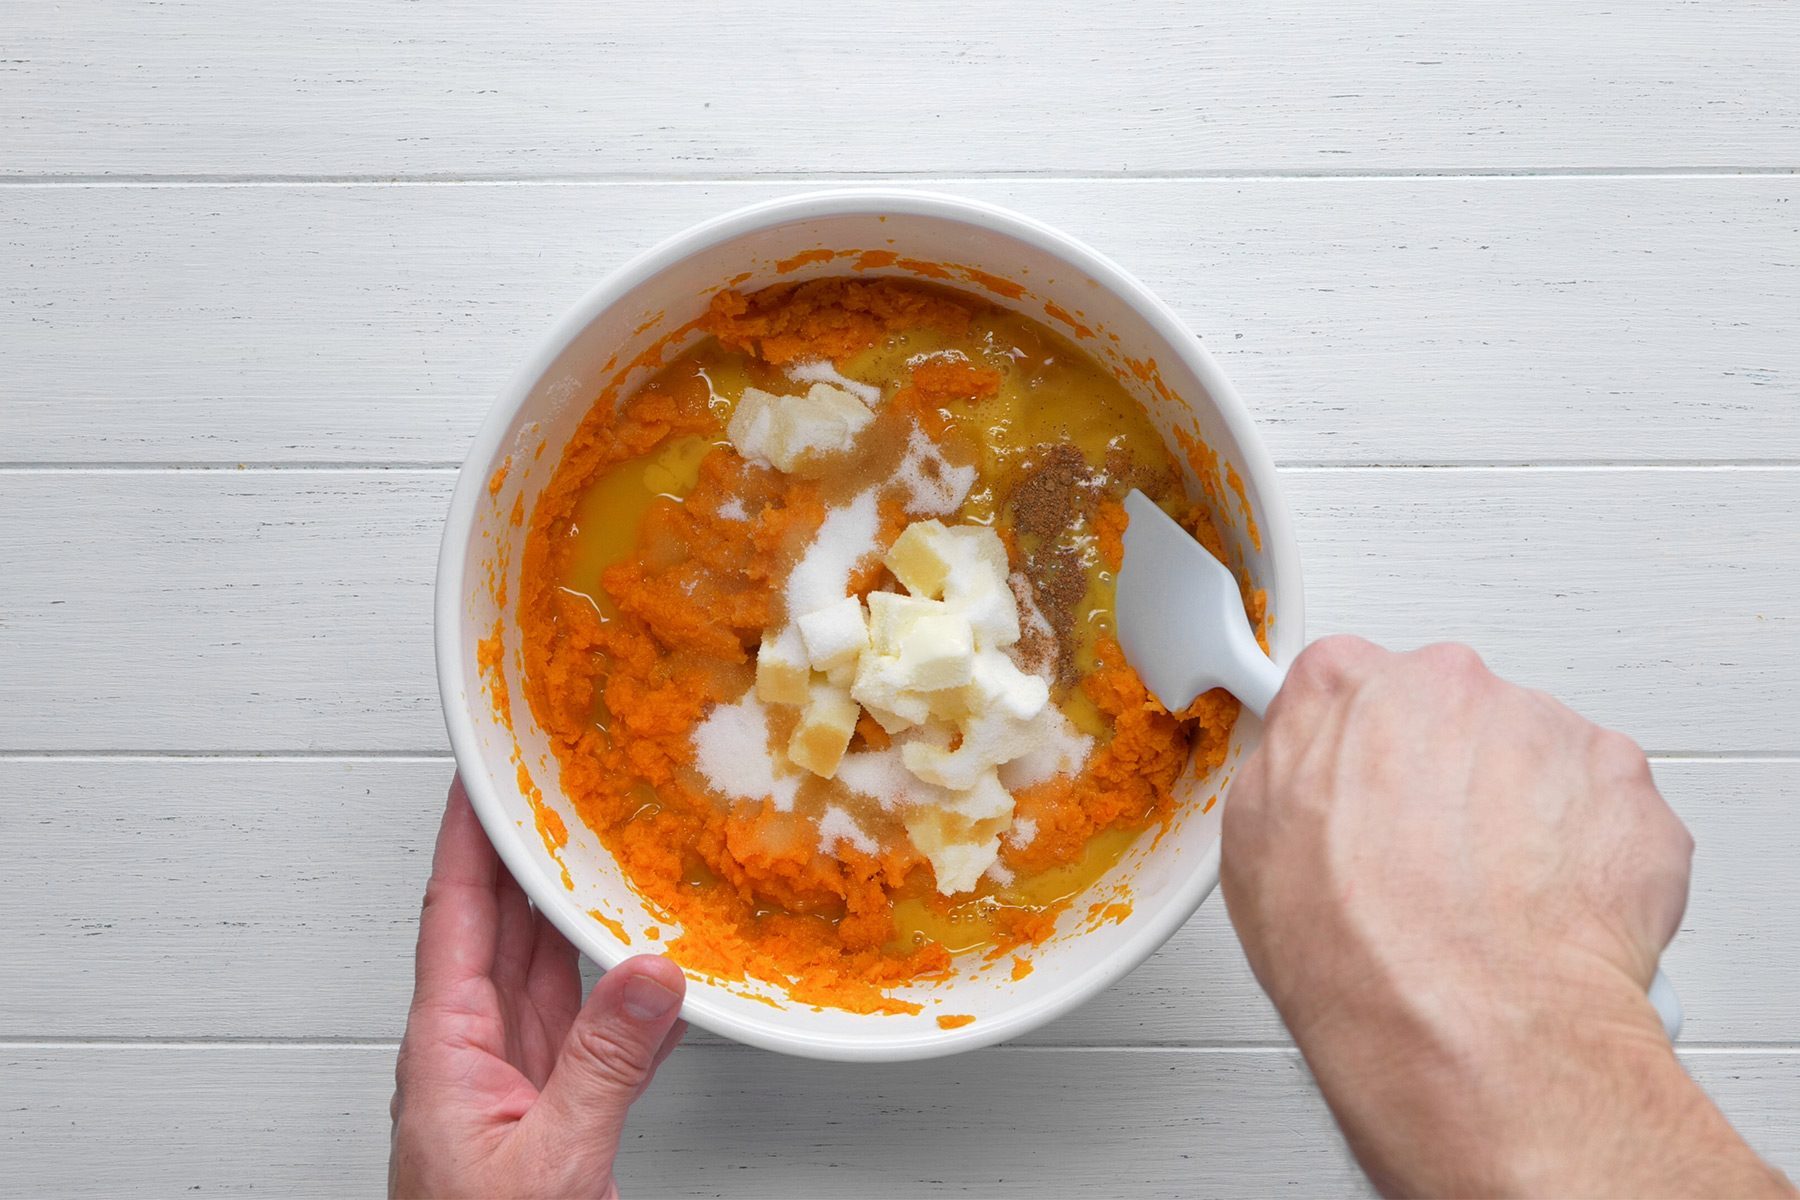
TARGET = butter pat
(996,683)
(836,634)
(958,865)
(937,652)
(878,688)
(782,670)
(823,734)
(891,615)
(921,558)
(779,431)
(989,740)
(990,606)
(961,837)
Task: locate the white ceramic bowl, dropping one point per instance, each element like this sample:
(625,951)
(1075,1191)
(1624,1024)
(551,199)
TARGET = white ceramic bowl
(1164,879)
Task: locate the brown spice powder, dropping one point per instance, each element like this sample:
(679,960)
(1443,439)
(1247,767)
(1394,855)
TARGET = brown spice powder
(1048,501)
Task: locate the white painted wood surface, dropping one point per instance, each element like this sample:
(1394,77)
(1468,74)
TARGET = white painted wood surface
(1514,288)
(216,927)
(361,88)
(728,1121)
(291,610)
(1372,320)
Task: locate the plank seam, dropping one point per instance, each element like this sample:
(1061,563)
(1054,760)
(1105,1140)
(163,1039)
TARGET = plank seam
(392,1044)
(441,467)
(664,178)
(444,756)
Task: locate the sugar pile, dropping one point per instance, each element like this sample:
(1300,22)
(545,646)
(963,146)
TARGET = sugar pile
(732,752)
(836,825)
(820,370)
(822,576)
(933,487)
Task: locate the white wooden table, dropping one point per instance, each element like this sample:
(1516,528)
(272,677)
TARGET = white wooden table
(1514,289)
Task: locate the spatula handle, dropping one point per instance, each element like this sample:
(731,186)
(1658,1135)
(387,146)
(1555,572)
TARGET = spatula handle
(1667,1004)
(1257,679)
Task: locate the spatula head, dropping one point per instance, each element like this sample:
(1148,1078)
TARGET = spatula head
(1178,608)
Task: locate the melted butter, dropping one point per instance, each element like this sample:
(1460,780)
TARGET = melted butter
(609,513)
(973,924)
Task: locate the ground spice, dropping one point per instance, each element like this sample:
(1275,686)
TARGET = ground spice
(1059,581)
(1054,494)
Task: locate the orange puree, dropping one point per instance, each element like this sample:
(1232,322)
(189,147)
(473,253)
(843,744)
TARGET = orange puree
(657,557)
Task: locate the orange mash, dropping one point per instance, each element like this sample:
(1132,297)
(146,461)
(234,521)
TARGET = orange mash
(661,559)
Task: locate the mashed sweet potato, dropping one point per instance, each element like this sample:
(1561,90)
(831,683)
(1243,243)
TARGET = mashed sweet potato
(620,676)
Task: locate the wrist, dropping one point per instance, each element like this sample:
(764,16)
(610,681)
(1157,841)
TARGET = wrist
(1507,1084)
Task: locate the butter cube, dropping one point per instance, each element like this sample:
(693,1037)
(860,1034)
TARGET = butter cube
(824,421)
(879,689)
(921,558)
(989,740)
(991,607)
(941,766)
(754,430)
(836,634)
(957,856)
(891,615)
(779,431)
(937,651)
(987,801)
(996,683)
(978,561)
(782,670)
(949,704)
(823,734)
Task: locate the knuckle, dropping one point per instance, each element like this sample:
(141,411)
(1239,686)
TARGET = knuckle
(403,1064)
(1453,658)
(1332,660)
(618,1062)
(1617,756)
(1680,839)
(435,893)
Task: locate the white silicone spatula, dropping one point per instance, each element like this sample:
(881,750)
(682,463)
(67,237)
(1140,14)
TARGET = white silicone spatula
(1182,626)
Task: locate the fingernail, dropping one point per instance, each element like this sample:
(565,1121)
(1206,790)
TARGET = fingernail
(646,1000)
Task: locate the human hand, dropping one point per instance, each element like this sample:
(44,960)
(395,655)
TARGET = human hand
(507,1084)
(1456,892)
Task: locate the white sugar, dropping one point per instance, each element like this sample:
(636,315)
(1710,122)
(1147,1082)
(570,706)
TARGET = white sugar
(1000,873)
(822,576)
(881,775)
(1022,833)
(836,825)
(820,370)
(933,487)
(733,510)
(1032,621)
(731,749)
(1057,748)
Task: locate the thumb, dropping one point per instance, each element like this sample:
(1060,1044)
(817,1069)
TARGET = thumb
(618,1039)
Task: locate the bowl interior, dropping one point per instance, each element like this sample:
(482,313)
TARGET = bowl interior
(617,338)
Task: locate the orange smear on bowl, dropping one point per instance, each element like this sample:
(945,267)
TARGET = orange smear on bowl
(611,926)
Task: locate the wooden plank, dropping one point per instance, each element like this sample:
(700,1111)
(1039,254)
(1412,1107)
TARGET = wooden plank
(935,86)
(1368,321)
(312,1121)
(279,898)
(291,610)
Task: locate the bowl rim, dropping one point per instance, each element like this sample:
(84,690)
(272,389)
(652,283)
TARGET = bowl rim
(456,695)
